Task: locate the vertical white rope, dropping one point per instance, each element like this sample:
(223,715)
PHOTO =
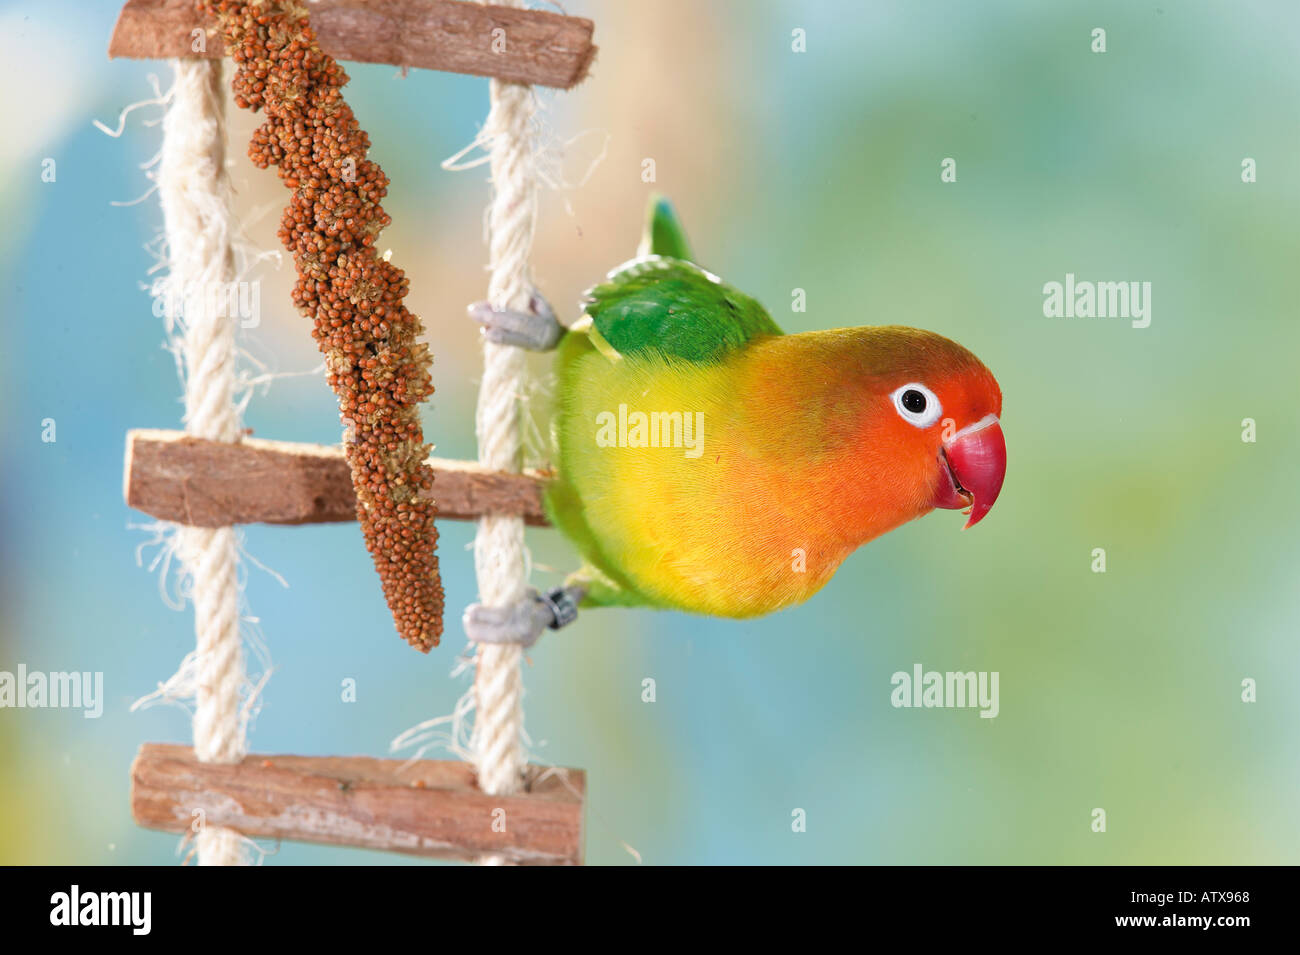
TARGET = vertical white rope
(198,222)
(497,740)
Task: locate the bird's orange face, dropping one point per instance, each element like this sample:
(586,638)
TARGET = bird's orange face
(937,403)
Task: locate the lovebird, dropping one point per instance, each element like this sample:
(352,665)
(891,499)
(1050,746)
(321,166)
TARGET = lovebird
(708,462)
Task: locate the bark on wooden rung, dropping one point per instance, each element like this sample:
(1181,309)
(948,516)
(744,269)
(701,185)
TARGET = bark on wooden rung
(533,46)
(423,807)
(176,477)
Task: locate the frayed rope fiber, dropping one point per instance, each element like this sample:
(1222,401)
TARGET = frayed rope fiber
(499,558)
(198,226)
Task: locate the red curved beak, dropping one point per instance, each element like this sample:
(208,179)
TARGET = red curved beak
(976,461)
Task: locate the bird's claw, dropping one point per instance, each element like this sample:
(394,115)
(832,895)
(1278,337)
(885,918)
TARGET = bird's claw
(562,603)
(536,329)
(523,622)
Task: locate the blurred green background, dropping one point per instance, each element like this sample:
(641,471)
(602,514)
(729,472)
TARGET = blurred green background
(816,170)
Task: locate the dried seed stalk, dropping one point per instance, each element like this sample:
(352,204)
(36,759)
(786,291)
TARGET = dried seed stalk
(375,362)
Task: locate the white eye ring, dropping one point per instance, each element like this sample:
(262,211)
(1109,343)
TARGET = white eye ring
(927,415)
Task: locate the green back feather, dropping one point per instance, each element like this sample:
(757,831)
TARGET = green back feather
(674,308)
(663,302)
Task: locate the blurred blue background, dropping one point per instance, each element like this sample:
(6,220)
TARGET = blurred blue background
(817,170)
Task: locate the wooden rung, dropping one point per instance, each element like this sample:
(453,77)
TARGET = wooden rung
(176,477)
(425,807)
(534,46)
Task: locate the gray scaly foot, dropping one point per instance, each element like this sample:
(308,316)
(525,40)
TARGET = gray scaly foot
(525,621)
(536,329)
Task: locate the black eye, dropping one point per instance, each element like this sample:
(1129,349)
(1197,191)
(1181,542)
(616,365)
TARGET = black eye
(916,404)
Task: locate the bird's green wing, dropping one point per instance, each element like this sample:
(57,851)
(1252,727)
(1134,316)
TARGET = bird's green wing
(672,307)
(663,301)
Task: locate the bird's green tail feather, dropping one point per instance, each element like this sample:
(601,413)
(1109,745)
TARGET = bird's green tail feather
(663,232)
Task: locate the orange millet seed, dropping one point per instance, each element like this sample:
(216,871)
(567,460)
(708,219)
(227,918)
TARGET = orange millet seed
(375,362)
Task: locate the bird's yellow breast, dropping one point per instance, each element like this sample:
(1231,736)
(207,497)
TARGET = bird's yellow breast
(686,490)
